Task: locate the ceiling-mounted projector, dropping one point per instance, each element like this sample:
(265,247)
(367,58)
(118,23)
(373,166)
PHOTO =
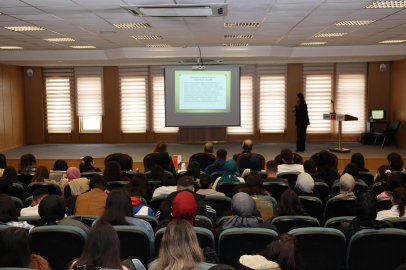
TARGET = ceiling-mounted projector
(192,10)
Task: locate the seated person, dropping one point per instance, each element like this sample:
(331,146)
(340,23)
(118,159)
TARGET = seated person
(9,215)
(246,148)
(77,184)
(186,184)
(87,165)
(255,165)
(272,170)
(125,163)
(366,207)
(289,166)
(396,162)
(3,164)
(230,168)
(304,185)
(157,173)
(140,181)
(27,164)
(326,171)
(59,170)
(395,180)
(168,183)
(41,175)
(92,202)
(206,185)
(184,207)
(193,170)
(37,197)
(289,205)
(138,207)
(218,165)
(310,167)
(165,161)
(255,185)
(281,253)
(398,205)
(382,174)
(15,251)
(358,159)
(112,172)
(347,184)
(351,169)
(208,148)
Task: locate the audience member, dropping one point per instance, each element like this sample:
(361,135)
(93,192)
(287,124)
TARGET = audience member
(230,168)
(289,205)
(218,165)
(139,209)
(60,165)
(186,184)
(272,170)
(366,207)
(396,162)
(243,210)
(92,202)
(9,215)
(3,164)
(15,251)
(41,175)
(52,210)
(206,185)
(11,172)
(304,185)
(246,148)
(395,180)
(208,148)
(351,169)
(193,170)
(347,184)
(26,164)
(358,159)
(33,161)
(289,165)
(37,197)
(112,173)
(6,186)
(157,173)
(125,163)
(255,185)
(140,181)
(165,161)
(77,184)
(310,167)
(179,249)
(398,201)
(168,185)
(280,254)
(59,170)
(325,169)
(184,207)
(383,173)
(87,165)
(160,147)
(255,165)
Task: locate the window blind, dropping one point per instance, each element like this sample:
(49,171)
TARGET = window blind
(59,96)
(89,91)
(272,98)
(158,102)
(350,97)
(133,98)
(318,95)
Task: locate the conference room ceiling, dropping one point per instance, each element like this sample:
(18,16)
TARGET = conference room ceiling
(283,23)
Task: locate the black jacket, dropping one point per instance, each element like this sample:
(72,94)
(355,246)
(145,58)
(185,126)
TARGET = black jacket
(302,117)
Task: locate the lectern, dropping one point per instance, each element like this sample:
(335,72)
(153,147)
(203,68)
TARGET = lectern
(340,118)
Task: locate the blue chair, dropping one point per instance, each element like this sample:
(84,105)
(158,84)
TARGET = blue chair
(25,178)
(378,187)
(28,202)
(288,223)
(129,174)
(33,220)
(384,203)
(154,185)
(322,189)
(18,191)
(199,217)
(340,207)
(116,184)
(398,222)
(18,203)
(312,205)
(227,188)
(219,203)
(156,202)
(272,199)
(4,227)
(151,220)
(290,176)
(86,219)
(367,177)
(89,175)
(333,223)
(53,189)
(276,189)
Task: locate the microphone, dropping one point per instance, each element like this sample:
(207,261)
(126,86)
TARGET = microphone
(332,101)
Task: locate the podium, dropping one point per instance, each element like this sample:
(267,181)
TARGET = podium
(340,118)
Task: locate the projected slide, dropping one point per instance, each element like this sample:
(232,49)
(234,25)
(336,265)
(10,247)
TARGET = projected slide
(202,91)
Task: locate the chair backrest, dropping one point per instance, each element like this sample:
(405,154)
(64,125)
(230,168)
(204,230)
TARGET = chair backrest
(333,223)
(180,174)
(276,189)
(290,176)
(28,201)
(233,243)
(398,222)
(116,157)
(216,175)
(394,126)
(4,227)
(86,219)
(135,243)
(59,245)
(384,203)
(156,202)
(18,203)
(320,248)
(312,205)
(89,175)
(335,190)
(322,189)
(56,175)
(376,249)
(227,188)
(154,185)
(204,159)
(52,188)
(18,191)
(243,161)
(367,177)
(297,159)
(200,217)
(25,178)
(67,191)
(340,207)
(378,187)
(219,203)
(151,220)
(264,208)
(30,219)
(116,184)
(149,160)
(129,174)
(333,159)
(263,175)
(288,223)
(148,174)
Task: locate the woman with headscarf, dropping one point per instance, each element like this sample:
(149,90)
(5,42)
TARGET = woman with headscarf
(255,165)
(326,171)
(165,161)
(52,211)
(77,184)
(184,207)
(230,168)
(366,208)
(347,184)
(304,185)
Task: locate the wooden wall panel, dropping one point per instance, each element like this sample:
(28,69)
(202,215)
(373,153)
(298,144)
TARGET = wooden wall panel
(218,134)
(378,86)
(112,115)
(2,128)
(398,99)
(8,116)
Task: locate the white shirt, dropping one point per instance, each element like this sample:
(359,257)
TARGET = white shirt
(30,211)
(218,178)
(393,212)
(165,190)
(290,168)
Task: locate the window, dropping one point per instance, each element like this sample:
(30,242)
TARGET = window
(247,115)
(272,104)
(91,124)
(158,105)
(133,105)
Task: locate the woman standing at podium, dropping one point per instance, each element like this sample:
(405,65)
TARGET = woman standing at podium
(302,121)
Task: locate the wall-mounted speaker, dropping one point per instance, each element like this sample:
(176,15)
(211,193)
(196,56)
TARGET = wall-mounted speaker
(30,73)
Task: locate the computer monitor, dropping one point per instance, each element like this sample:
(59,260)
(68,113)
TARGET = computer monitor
(377,114)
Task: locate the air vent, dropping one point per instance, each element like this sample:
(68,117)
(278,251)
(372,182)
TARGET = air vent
(191,10)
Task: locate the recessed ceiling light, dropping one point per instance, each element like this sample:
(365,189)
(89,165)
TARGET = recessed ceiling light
(238,36)
(341,23)
(10,48)
(386,4)
(132,25)
(235,45)
(242,24)
(330,35)
(59,39)
(106,32)
(25,28)
(147,37)
(393,41)
(83,47)
(159,45)
(312,43)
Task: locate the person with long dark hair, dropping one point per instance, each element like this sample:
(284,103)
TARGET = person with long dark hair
(359,160)
(351,169)
(140,181)
(165,161)
(395,180)
(41,175)
(87,165)
(396,162)
(193,170)
(11,172)
(15,251)
(112,172)
(289,205)
(9,215)
(383,173)
(25,164)
(160,147)
(325,169)
(302,121)
(60,165)
(280,254)
(398,201)
(255,184)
